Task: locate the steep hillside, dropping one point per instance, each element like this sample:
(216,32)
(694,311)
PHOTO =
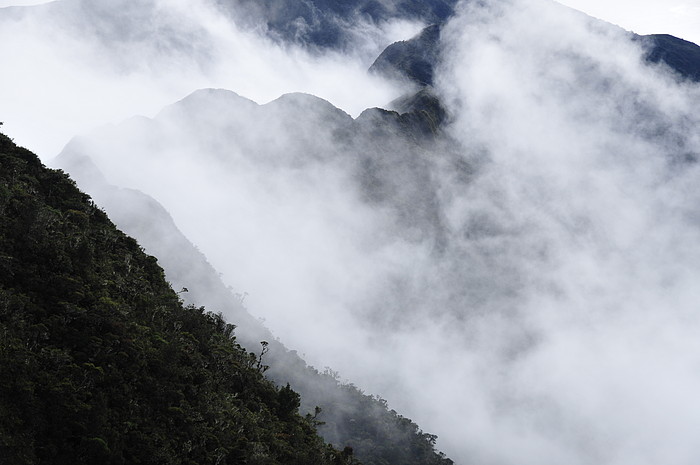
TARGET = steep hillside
(102,363)
(242,157)
(240,128)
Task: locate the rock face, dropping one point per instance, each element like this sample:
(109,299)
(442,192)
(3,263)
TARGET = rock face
(681,56)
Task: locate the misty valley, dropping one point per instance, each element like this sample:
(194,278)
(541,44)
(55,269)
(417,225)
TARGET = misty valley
(363,232)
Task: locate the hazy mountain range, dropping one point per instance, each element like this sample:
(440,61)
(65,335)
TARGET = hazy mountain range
(506,248)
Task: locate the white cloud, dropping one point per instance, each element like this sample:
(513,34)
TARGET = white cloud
(584,144)
(65,72)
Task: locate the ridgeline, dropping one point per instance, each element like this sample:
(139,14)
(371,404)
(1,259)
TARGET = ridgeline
(100,360)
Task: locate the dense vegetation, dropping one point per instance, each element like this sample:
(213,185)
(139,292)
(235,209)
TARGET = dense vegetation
(377,435)
(101,362)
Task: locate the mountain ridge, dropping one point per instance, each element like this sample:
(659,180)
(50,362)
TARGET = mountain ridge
(347,412)
(102,361)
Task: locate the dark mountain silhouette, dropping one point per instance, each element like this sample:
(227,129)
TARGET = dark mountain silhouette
(681,56)
(325,23)
(415,59)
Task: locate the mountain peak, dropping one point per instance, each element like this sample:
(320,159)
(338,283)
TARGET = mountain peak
(217,99)
(680,55)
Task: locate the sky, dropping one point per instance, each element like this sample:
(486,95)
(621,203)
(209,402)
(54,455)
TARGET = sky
(676,17)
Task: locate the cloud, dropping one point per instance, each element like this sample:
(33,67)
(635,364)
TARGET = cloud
(586,175)
(74,65)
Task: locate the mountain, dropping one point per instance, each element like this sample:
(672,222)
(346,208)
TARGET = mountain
(332,24)
(349,417)
(229,134)
(317,24)
(102,363)
(681,56)
(416,59)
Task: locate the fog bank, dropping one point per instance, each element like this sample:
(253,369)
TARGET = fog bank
(587,191)
(73,65)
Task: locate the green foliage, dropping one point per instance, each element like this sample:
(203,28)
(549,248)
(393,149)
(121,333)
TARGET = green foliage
(376,434)
(356,422)
(100,361)
(289,402)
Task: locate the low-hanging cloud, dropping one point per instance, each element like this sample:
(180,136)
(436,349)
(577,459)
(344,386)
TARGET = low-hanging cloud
(588,187)
(73,65)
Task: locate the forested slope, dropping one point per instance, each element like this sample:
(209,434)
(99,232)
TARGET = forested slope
(101,362)
(378,435)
